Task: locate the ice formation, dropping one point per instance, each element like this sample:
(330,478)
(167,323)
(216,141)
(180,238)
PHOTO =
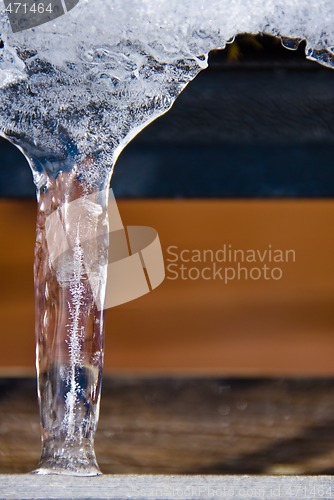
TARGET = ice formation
(73,93)
(83,85)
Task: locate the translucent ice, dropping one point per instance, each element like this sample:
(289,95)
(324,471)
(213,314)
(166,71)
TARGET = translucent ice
(73,92)
(83,85)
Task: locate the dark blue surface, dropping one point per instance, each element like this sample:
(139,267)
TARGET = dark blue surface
(15,175)
(247,131)
(205,171)
(226,171)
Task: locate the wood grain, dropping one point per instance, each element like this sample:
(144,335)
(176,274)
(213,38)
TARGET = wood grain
(264,328)
(189,426)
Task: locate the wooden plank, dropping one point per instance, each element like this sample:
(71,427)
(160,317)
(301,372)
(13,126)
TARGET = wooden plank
(189,426)
(167,487)
(263,328)
(259,130)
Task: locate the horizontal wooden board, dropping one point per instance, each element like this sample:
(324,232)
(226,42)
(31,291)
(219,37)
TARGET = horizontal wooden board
(171,487)
(189,425)
(238,130)
(199,326)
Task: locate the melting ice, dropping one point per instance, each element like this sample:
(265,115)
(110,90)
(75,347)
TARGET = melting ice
(83,85)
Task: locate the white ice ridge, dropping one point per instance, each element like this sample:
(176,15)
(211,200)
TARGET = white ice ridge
(171,29)
(87,82)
